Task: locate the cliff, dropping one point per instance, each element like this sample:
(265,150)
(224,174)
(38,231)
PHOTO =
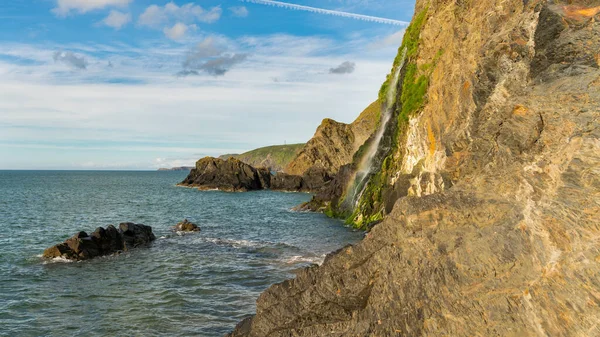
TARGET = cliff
(334,144)
(178,169)
(486,181)
(233,175)
(274,158)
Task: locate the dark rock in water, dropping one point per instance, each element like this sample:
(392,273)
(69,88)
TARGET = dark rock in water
(226,175)
(135,235)
(102,242)
(186,226)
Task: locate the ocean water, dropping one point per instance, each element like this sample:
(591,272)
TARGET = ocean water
(198,284)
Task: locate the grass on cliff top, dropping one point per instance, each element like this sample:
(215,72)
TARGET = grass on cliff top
(372,113)
(281,155)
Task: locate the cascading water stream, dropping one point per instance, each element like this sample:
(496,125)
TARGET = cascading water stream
(366,165)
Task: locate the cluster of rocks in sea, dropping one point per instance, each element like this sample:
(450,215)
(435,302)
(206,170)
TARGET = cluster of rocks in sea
(233,175)
(103,241)
(109,241)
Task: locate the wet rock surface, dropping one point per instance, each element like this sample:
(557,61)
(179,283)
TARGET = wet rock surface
(186,226)
(103,241)
(496,228)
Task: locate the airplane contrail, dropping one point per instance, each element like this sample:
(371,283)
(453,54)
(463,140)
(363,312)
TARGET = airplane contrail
(328,11)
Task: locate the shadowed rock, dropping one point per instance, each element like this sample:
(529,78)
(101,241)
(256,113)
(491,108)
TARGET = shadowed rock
(233,175)
(101,242)
(230,175)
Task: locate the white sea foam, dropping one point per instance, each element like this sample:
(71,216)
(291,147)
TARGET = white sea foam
(303,259)
(59,259)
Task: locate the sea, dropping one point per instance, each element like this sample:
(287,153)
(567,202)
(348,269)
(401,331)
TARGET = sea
(196,284)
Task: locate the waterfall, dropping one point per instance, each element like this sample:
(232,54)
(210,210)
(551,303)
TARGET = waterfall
(365,168)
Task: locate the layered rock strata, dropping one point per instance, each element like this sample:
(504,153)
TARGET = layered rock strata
(489,192)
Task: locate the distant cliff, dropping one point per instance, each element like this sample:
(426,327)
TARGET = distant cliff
(334,144)
(482,193)
(182,168)
(275,158)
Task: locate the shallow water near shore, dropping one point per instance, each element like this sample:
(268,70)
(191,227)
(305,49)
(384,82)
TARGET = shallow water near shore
(198,284)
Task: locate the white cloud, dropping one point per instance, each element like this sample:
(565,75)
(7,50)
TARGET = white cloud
(155,16)
(177,31)
(65,7)
(117,19)
(239,11)
(392,40)
(134,113)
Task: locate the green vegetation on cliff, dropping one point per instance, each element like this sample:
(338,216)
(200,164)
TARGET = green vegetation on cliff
(409,99)
(275,157)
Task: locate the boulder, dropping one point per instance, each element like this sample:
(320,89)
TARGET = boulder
(82,246)
(186,226)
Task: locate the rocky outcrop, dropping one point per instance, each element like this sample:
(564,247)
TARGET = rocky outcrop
(102,242)
(274,158)
(227,175)
(334,144)
(235,176)
(488,191)
(186,226)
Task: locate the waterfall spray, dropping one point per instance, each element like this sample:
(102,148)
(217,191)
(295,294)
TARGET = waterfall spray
(365,168)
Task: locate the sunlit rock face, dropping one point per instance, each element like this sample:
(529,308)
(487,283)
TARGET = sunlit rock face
(493,228)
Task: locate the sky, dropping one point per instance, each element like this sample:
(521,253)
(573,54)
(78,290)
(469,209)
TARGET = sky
(143,84)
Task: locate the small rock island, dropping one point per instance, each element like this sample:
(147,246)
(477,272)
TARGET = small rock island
(186,226)
(102,242)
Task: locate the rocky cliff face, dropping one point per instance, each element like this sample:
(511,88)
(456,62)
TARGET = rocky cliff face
(230,175)
(334,144)
(274,158)
(488,187)
(233,175)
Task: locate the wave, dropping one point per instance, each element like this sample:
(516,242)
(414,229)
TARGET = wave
(248,243)
(59,259)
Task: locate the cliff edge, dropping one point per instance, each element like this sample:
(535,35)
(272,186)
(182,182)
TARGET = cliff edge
(487,179)
(334,144)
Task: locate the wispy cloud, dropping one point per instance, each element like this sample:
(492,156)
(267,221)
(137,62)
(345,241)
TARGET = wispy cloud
(328,12)
(346,67)
(66,7)
(239,11)
(139,100)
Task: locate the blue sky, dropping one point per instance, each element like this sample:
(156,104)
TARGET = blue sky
(140,84)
